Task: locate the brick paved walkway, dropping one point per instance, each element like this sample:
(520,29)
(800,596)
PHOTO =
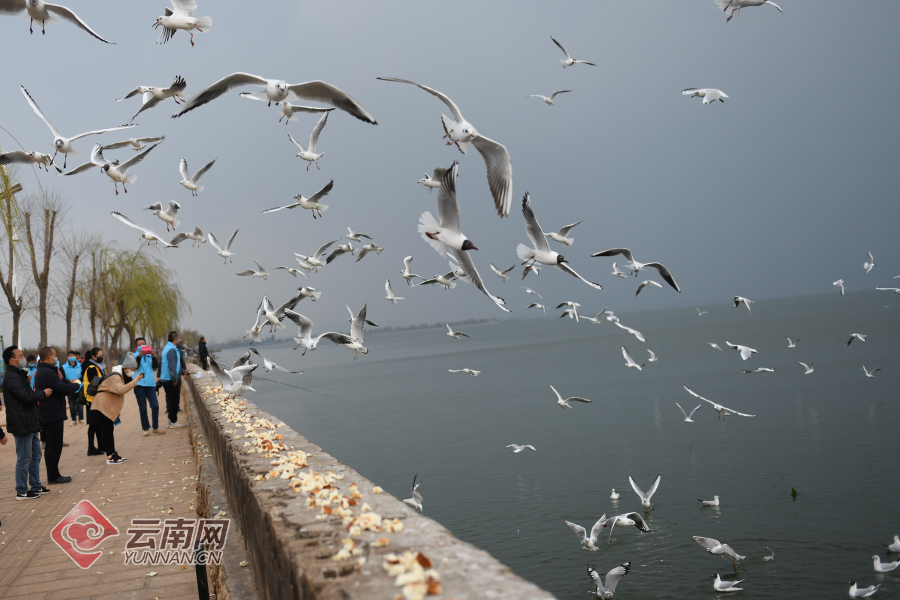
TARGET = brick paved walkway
(158,478)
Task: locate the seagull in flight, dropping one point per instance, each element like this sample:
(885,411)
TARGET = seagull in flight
(46,13)
(445,280)
(390,293)
(745,351)
(251,273)
(306,339)
(148,235)
(716,346)
(466,371)
(115,171)
(531,291)
(292,271)
(561,236)
(434,180)
(288,110)
(461,132)
(225,252)
(895,290)
(315,261)
(416,500)
(168,215)
(136,144)
(725,586)
(568,61)
(28,158)
(190,182)
(196,236)
(596,321)
(357,326)
(269,365)
(760,370)
(311,203)
(652,355)
(573,312)
(233,380)
(181,16)
(790,343)
(629,362)
(636,266)
(646,284)
(645,498)
(517,448)
(718,548)
(868,265)
(840,284)
(541,252)
(339,251)
(588,542)
(407,273)
(626,520)
(530,268)
(266,313)
(565,403)
(809,368)
(502,274)
(738,300)
(454,334)
(356,237)
(722,410)
(633,332)
(689,418)
(856,336)
(737,5)
(536,305)
(61,145)
(857,592)
(151,95)
(368,248)
(709,95)
(309,154)
(870,374)
(617,273)
(549,99)
(277,91)
(612,579)
(701,313)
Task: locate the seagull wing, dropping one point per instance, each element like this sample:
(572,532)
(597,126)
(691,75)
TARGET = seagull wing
(214,242)
(16,156)
(740,414)
(149,101)
(699,406)
(457,115)
(11,7)
(358,324)
(323,192)
(616,575)
(561,47)
(595,530)
(342,339)
(183,169)
(499,172)
(67,15)
(665,274)
(567,269)
(578,530)
(682,411)
(653,487)
(231,239)
(123,168)
(387,287)
(635,487)
(185,7)
(129,222)
(220,374)
(614,252)
(304,323)
(564,231)
(319,91)
(157,206)
(531,291)
(630,361)
(173,208)
(79,169)
(709,544)
(505,271)
(217,89)
(38,112)
(471,274)
(439,173)
(99,131)
(179,237)
(447,204)
(533,228)
(202,171)
(314,136)
(296,143)
(696,395)
(577,399)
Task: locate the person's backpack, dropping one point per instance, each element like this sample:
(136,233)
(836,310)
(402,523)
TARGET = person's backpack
(89,388)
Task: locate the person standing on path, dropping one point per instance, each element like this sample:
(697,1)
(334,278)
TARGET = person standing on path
(93,367)
(23,421)
(108,403)
(171,369)
(204,354)
(53,410)
(145,391)
(72,370)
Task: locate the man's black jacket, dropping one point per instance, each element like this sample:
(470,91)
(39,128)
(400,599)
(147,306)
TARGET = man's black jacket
(22,414)
(53,408)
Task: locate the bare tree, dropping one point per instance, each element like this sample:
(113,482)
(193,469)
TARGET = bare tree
(49,209)
(75,245)
(11,220)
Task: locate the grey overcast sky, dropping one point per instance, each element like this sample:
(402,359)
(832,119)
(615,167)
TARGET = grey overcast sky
(778,192)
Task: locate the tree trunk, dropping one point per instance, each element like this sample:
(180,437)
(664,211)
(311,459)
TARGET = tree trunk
(42,279)
(70,302)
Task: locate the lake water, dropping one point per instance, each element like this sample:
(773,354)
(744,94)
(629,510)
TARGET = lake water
(831,435)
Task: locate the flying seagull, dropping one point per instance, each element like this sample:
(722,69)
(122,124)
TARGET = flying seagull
(461,132)
(190,182)
(434,180)
(596,321)
(573,313)
(225,252)
(117,172)
(709,95)
(454,334)
(466,371)
(652,355)
(617,273)
(737,5)
(561,236)
(701,313)
(718,548)
(167,215)
(646,284)
(315,260)
(645,497)
(870,374)
(612,579)
(151,95)
(340,251)
(309,154)
(28,158)
(356,237)
(306,339)
(738,300)
(46,13)
(568,61)
(588,542)
(808,368)
(517,448)
(745,351)
(895,290)
(722,410)
(536,305)
(196,236)
(148,235)
(181,16)
(856,336)
(531,291)
(631,331)
(760,370)
(390,293)
(251,273)
(311,204)
(636,266)
(549,99)
(416,500)
(631,519)
(288,110)
(868,265)
(565,403)
(688,418)
(790,343)
(269,365)
(629,362)
(369,248)
(292,271)
(407,273)
(502,274)
(716,346)
(840,284)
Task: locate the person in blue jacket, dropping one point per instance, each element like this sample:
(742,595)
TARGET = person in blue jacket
(171,369)
(145,390)
(72,370)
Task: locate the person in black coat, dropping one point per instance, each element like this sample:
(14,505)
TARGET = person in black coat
(53,410)
(23,421)
(204,354)
(93,366)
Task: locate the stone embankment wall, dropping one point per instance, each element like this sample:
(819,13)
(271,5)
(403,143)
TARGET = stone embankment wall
(315,529)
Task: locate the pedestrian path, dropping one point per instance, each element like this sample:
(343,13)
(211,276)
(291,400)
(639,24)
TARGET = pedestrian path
(157,482)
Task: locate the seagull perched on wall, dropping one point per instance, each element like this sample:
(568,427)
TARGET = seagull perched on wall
(636,267)
(151,96)
(416,500)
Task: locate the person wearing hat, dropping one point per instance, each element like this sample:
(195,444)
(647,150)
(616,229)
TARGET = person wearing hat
(109,401)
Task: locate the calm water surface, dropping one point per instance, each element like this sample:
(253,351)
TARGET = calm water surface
(831,435)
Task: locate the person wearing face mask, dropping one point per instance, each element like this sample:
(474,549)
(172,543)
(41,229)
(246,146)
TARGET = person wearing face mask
(93,367)
(171,370)
(53,410)
(32,367)
(72,370)
(145,391)
(23,421)
(108,403)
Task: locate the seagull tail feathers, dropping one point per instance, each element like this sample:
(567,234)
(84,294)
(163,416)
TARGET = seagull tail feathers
(524,252)
(176,224)
(428,224)
(322,207)
(315,295)
(129,179)
(204,23)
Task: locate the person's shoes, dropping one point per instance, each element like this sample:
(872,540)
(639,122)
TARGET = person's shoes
(159,431)
(146,432)
(65,444)
(43,490)
(115,459)
(175,425)
(80,421)
(27,496)
(62,479)
(94,452)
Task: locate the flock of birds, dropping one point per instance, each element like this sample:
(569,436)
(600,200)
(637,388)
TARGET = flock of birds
(443,232)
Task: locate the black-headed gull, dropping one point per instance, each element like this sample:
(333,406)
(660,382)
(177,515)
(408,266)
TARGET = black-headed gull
(596,321)
(573,313)
(195,236)
(136,144)
(461,133)
(471,372)
(532,268)
(870,374)
(261,272)
(167,215)
(689,418)
(631,519)
(232,381)
(808,368)
(309,154)
(701,313)
(746,351)
(636,266)
(181,16)
(568,61)
(868,265)
(737,5)
(614,495)
(390,293)
(631,331)
(759,370)
(709,95)
(895,290)
(454,334)
(588,542)
(881,567)
(517,448)
(722,410)
(629,362)
(445,280)
(790,343)
(309,292)
(502,274)
(617,273)
(434,180)
(292,271)
(306,339)
(266,313)
(646,284)
(717,548)
(895,545)
(416,500)
(531,291)
(738,300)
(549,99)
(225,252)
(565,403)
(561,236)
(356,237)
(147,235)
(858,592)
(151,95)
(189,181)
(46,13)
(541,251)
(856,336)
(536,305)
(63,145)
(340,251)
(725,586)
(612,579)
(357,327)
(115,171)
(840,284)
(369,248)
(716,346)
(645,497)
(407,273)
(652,355)
(288,111)
(311,204)
(269,365)
(277,91)
(713,502)
(28,158)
